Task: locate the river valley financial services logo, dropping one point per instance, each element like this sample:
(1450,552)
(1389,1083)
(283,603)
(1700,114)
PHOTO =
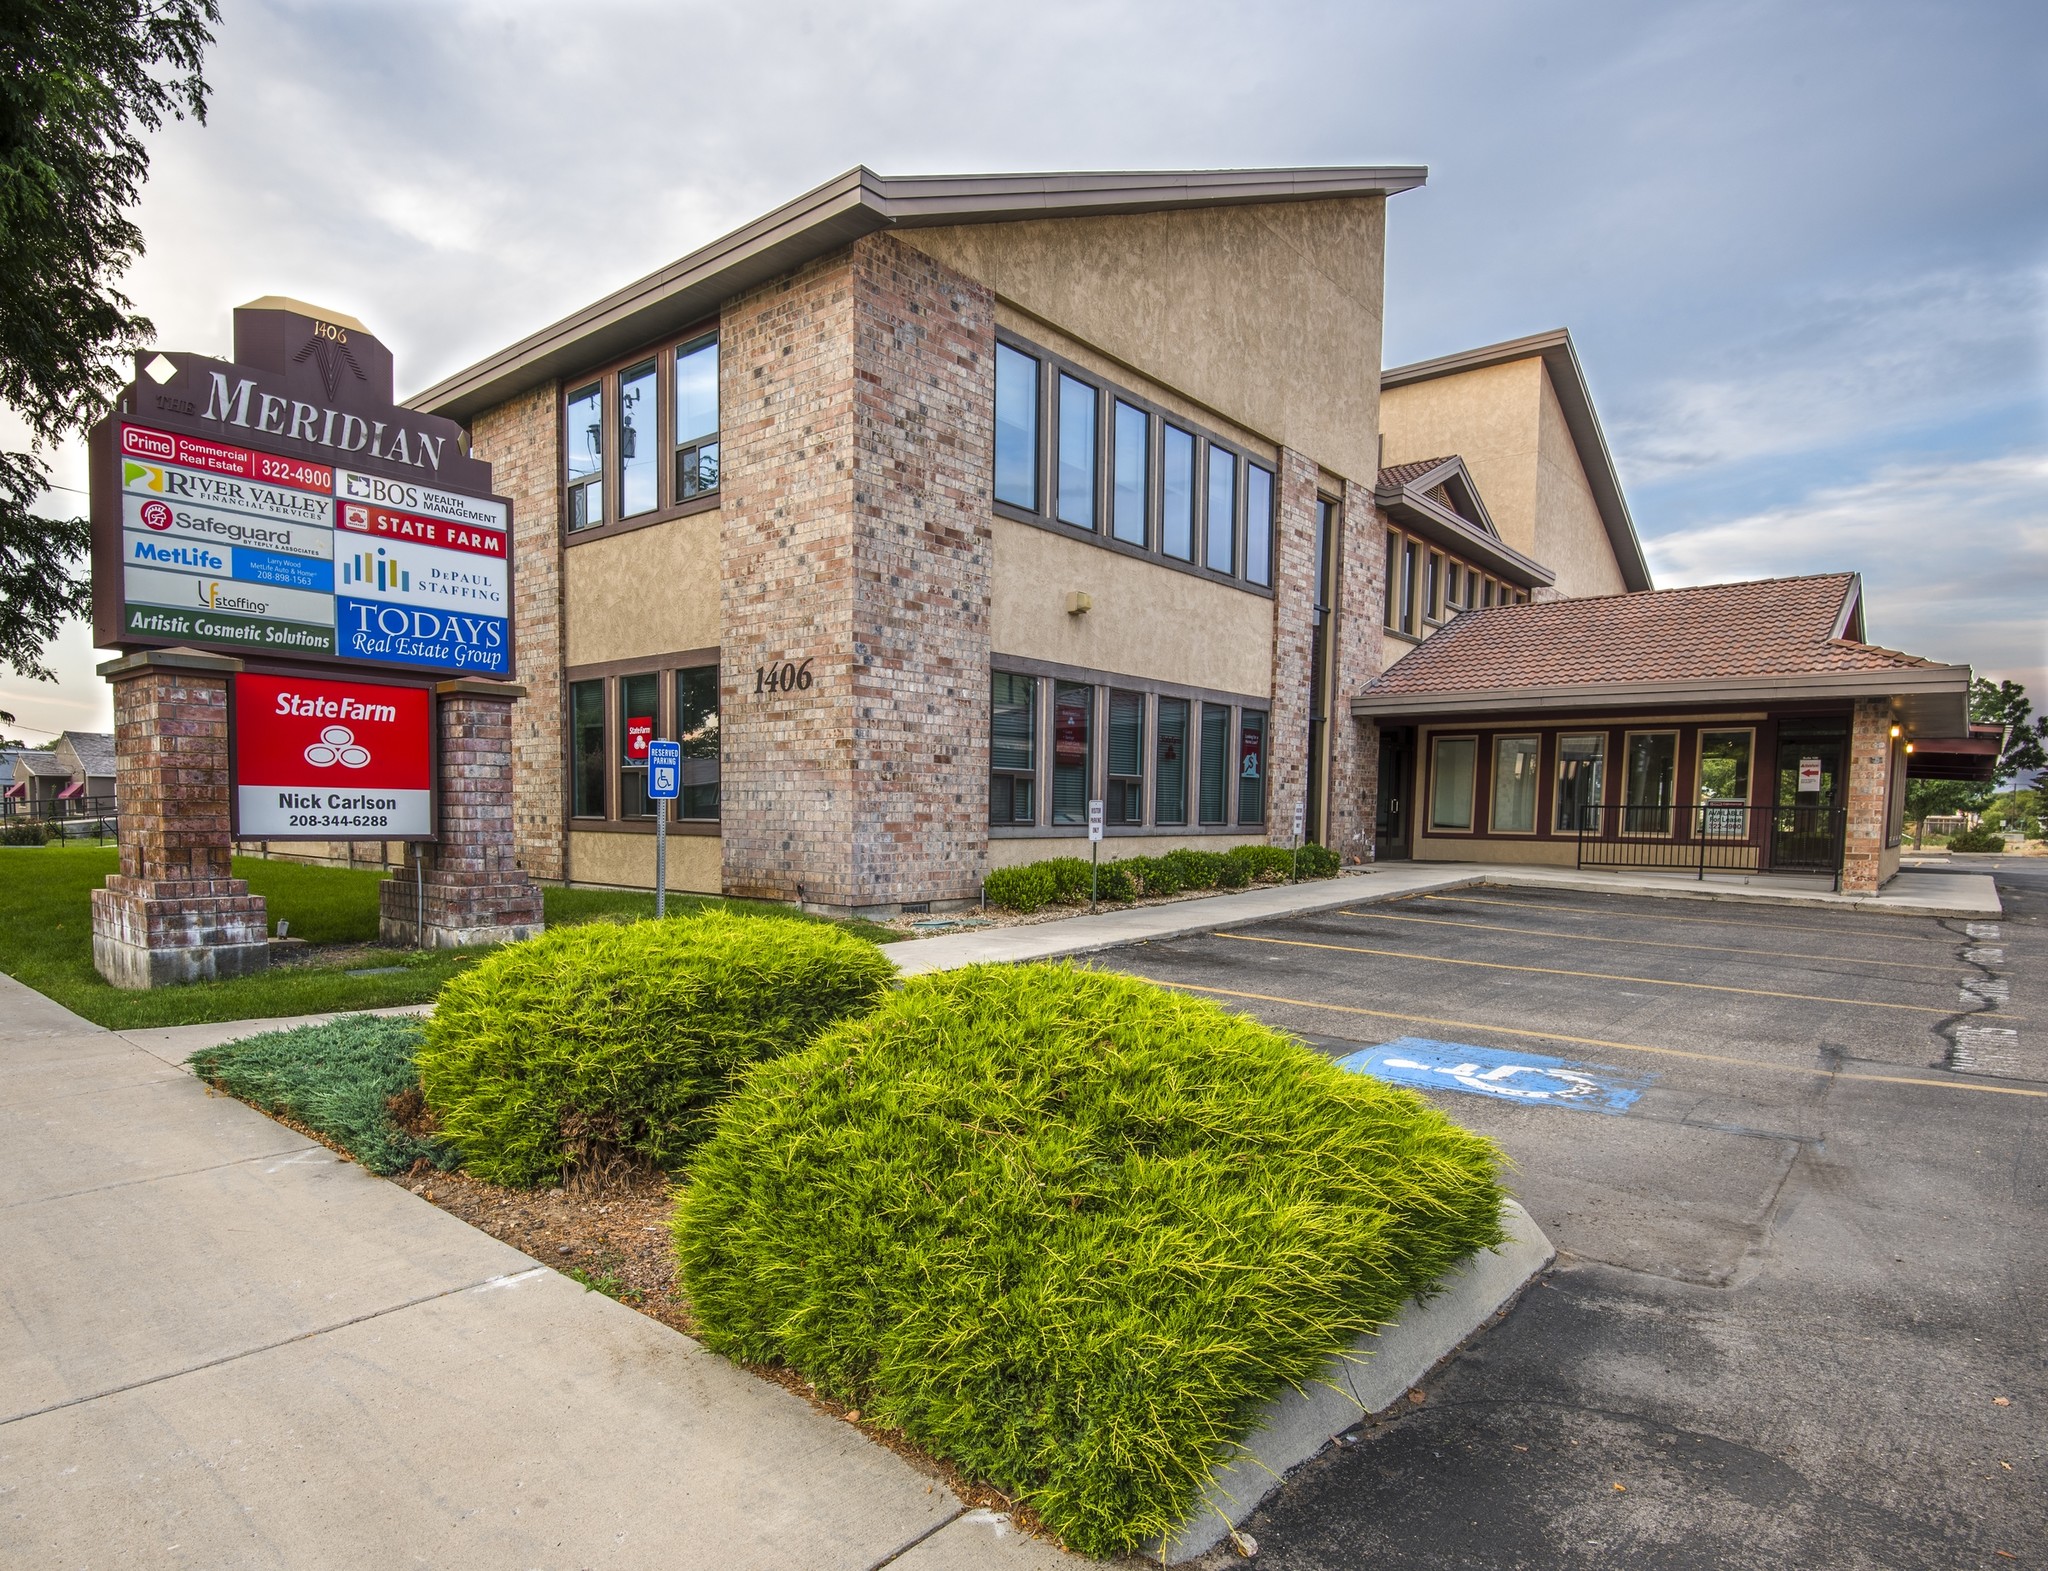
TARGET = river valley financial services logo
(337,745)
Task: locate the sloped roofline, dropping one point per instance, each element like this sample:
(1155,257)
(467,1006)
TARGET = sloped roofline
(1568,379)
(861,202)
(1410,504)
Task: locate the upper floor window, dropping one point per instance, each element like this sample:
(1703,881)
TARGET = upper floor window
(1177,494)
(642,437)
(1221,556)
(639,444)
(1131,493)
(696,401)
(1258,524)
(1077,453)
(583,442)
(1016,428)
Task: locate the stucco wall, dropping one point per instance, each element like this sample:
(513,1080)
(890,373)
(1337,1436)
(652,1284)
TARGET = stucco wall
(1491,418)
(650,591)
(1270,314)
(1147,620)
(1571,539)
(627,861)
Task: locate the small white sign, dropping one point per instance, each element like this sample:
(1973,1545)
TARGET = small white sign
(1809,774)
(1095,820)
(1300,818)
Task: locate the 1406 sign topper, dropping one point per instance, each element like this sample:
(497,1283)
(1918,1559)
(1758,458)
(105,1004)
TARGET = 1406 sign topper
(283,505)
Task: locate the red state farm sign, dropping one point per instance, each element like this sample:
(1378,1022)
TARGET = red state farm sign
(324,760)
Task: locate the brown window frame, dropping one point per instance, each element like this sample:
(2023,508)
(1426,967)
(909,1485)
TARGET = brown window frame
(610,474)
(666,670)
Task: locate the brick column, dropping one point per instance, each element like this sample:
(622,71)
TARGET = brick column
(1870,757)
(1360,656)
(469,880)
(1294,626)
(175,912)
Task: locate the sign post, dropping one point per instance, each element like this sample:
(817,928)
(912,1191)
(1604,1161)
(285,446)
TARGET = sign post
(664,785)
(1094,847)
(1300,827)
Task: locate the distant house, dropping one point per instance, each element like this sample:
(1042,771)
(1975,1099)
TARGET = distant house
(78,767)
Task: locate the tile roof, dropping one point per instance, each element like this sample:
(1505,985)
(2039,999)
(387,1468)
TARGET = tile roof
(1401,474)
(1768,627)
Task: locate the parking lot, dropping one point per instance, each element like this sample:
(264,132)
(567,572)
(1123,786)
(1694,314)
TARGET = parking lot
(1793,1162)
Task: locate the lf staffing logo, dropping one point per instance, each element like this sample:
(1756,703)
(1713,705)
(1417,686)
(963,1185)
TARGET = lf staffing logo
(156,515)
(337,745)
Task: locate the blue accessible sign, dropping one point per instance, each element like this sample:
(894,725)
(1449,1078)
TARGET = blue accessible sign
(664,770)
(1528,1078)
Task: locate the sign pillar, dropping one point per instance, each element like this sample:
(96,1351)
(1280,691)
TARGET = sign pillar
(175,912)
(467,887)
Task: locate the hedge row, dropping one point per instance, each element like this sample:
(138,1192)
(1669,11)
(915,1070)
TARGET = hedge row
(1063,880)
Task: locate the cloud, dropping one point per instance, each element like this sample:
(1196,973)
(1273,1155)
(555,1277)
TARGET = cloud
(1954,557)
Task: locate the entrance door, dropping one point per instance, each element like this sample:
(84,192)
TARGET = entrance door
(1808,793)
(1390,822)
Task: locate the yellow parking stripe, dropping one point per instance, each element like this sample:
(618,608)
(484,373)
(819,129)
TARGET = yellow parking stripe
(1644,943)
(1710,921)
(1594,1041)
(1598,976)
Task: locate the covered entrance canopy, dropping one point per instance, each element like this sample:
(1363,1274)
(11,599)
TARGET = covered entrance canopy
(1739,726)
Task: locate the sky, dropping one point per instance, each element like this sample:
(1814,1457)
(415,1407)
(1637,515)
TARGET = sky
(1803,249)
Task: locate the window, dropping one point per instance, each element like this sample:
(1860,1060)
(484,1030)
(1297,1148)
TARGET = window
(1393,576)
(1251,767)
(1581,778)
(1221,553)
(1133,476)
(1454,587)
(1077,453)
(1177,493)
(1489,593)
(1125,801)
(1170,750)
(639,718)
(583,441)
(697,728)
(1649,782)
(1073,753)
(1016,428)
(1013,749)
(1408,555)
(1434,602)
(1258,524)
(1450,781)
(639,444)
(1215,775)
(696,418)
(1724,766)
(1514,784)
(586,749)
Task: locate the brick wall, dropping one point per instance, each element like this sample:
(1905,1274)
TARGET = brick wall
(1870,755)
(521,441)
(924,389)
(1360,656)
(1294,601)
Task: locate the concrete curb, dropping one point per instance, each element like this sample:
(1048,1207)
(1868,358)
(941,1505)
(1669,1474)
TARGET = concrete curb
(1374,1376)
(1975,904)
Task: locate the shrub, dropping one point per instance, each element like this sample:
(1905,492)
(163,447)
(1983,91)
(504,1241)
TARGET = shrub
(1069,876)
(1025,889)
(32,833)
(1113,882)
(1196,869)
(1233,871)
(1317,862)
(1156,875)
(1069,1229)
(1264,861)
(340,1080)
(603,1044)
(1977,840)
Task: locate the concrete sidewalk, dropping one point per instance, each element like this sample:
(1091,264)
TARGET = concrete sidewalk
(222,1346)
(1970,896)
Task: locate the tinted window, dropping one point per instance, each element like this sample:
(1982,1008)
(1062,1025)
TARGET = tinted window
(639,446)
(1177,493)
(1077,453)
(1133,461)
(1016,428)
(1258,524)
(1221,552)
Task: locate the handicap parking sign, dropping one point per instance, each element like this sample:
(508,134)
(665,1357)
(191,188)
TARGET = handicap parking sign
(664,770)
(1528,1078)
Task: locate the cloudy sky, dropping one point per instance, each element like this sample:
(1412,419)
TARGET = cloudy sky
(1803,248)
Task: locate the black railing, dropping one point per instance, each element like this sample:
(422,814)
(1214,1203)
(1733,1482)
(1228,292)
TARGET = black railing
(78,815)
(1713,837)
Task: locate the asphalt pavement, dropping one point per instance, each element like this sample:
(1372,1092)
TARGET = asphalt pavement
(1793,1161)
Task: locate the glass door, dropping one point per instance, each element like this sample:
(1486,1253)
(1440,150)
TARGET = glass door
(1390,821)
(1808,793)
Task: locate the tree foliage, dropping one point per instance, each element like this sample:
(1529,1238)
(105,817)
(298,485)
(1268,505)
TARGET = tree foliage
(2026,735)
(84,81)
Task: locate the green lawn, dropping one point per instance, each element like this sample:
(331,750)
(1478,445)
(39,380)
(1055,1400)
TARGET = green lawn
(46,939)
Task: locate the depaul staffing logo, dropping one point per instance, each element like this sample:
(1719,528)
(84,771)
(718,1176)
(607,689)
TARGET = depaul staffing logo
(375,572)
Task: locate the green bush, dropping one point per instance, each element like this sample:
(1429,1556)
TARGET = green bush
(1976,840)
(337,1079)
(1233,871)
(1156,875)
(1196,869)
(1024,889)
(603,1044)
(33,832)
(1113,882)
(1317,862)
(1069,1229)
(1264,862)
(1069,876)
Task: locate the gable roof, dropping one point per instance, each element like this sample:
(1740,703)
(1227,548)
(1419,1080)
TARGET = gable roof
(94,750)
(1568,381)
(1743,642)
(861,202)
(40,761)
(1406,493)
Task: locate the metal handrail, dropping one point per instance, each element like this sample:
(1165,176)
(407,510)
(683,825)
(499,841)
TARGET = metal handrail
(1713,837)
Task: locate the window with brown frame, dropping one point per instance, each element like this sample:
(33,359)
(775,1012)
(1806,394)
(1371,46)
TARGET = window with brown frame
(641,439)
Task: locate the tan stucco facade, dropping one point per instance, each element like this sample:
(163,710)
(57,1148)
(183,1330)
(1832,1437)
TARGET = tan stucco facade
(1571,537)
(645,592)
(626,861)
(1270,314)
(1146,621)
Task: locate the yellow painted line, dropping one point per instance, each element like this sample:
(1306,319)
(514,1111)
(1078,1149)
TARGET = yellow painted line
(1710,921)
(1598,976)
(1594,1041)
(1643,943)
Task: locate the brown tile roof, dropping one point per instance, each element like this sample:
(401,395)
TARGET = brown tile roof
(1769,627)
(1401,474)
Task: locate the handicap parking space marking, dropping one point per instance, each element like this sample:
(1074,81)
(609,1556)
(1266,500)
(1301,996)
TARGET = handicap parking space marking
(1528,1078)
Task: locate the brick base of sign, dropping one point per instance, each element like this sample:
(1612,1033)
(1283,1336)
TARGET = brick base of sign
(162,932)
(466,888)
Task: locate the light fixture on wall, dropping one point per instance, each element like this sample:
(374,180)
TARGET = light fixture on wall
(1080,603)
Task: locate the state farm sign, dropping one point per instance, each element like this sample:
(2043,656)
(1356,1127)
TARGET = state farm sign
(325,760)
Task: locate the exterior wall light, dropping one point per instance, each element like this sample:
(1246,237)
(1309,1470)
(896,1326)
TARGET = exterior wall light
(1909,747)
(1080,603)
(1895,733)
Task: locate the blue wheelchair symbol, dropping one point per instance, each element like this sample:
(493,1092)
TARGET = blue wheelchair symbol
(1528,1078)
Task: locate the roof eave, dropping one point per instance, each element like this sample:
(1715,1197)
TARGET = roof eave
(1440,526)
(839,212)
